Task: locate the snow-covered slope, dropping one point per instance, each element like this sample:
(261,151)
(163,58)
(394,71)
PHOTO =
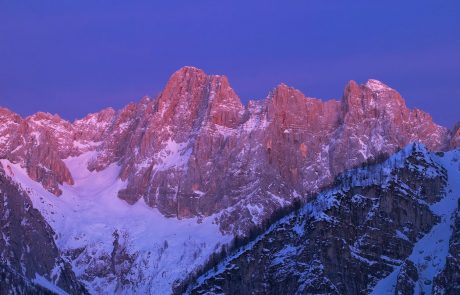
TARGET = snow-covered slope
(430,252)
(141,196)
(383,229)
(30,261)
(115,247)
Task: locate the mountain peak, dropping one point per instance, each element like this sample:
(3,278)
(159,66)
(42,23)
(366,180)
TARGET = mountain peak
(188,78)
(40,116)
(188,71)
(371,95)
(376,85)
(7,113)
(286,92)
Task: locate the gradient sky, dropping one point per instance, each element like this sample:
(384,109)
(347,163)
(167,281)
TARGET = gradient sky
(76,57)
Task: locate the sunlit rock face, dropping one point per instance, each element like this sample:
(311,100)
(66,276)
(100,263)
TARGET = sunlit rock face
(141,197)
(196,150)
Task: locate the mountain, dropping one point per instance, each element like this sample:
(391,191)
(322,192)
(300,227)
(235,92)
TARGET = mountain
(30,261)
(195,150)
(141,197)
(382,229)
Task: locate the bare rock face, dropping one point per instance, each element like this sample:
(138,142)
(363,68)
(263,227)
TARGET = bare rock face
(47,143)
(300,128)
(169,144)
(375,120)
(195,150)
(344,241)
(38,143)
(41,142)
(455,141)
(90,131)
(28,254)
(448,281)
(407,279)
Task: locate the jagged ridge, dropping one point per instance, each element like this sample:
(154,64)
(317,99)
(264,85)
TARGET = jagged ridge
(196,150)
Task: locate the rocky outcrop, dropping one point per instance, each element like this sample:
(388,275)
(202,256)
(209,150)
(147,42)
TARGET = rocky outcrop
(455,141)
(176,145)
(40,142)
(448,281)
(116,267)
(375,121)
(343,242)
(14,283)
(407,279)
(29,258)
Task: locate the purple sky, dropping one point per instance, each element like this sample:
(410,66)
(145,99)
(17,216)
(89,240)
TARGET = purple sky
(75,57)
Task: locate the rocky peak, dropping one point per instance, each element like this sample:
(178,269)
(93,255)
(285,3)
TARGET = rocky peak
(102,116)
(44,116)
(181,90)
(93,126)
(376,85)
(8,121)
(45,123)
(225,108)
(291,109)
(372,98)
(6,113)
(381,107)
(284,95)
(383,95)
(190,96)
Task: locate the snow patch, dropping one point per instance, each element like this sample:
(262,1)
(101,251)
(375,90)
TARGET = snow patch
(430,252)
(376,85)
(173,155)
(88,214)
(42,281)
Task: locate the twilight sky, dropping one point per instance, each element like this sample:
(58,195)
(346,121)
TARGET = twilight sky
(76,57)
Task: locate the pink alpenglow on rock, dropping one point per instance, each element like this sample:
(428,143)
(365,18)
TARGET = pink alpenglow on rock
(196,150)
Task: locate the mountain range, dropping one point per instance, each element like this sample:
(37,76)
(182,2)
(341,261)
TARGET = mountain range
(139,200)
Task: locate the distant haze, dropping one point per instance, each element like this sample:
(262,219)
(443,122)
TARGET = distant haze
(76,57)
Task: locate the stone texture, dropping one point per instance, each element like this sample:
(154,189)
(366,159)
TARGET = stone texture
(27,247)
(448,281)
(195,150)
(407,279)
(342,242)
(455,141)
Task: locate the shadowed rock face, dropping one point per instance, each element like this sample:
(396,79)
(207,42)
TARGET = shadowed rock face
(345,240)
(27,248)
(195,150)
(448,281)
(455,142)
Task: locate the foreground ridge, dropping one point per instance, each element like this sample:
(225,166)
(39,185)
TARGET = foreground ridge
(382,229)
